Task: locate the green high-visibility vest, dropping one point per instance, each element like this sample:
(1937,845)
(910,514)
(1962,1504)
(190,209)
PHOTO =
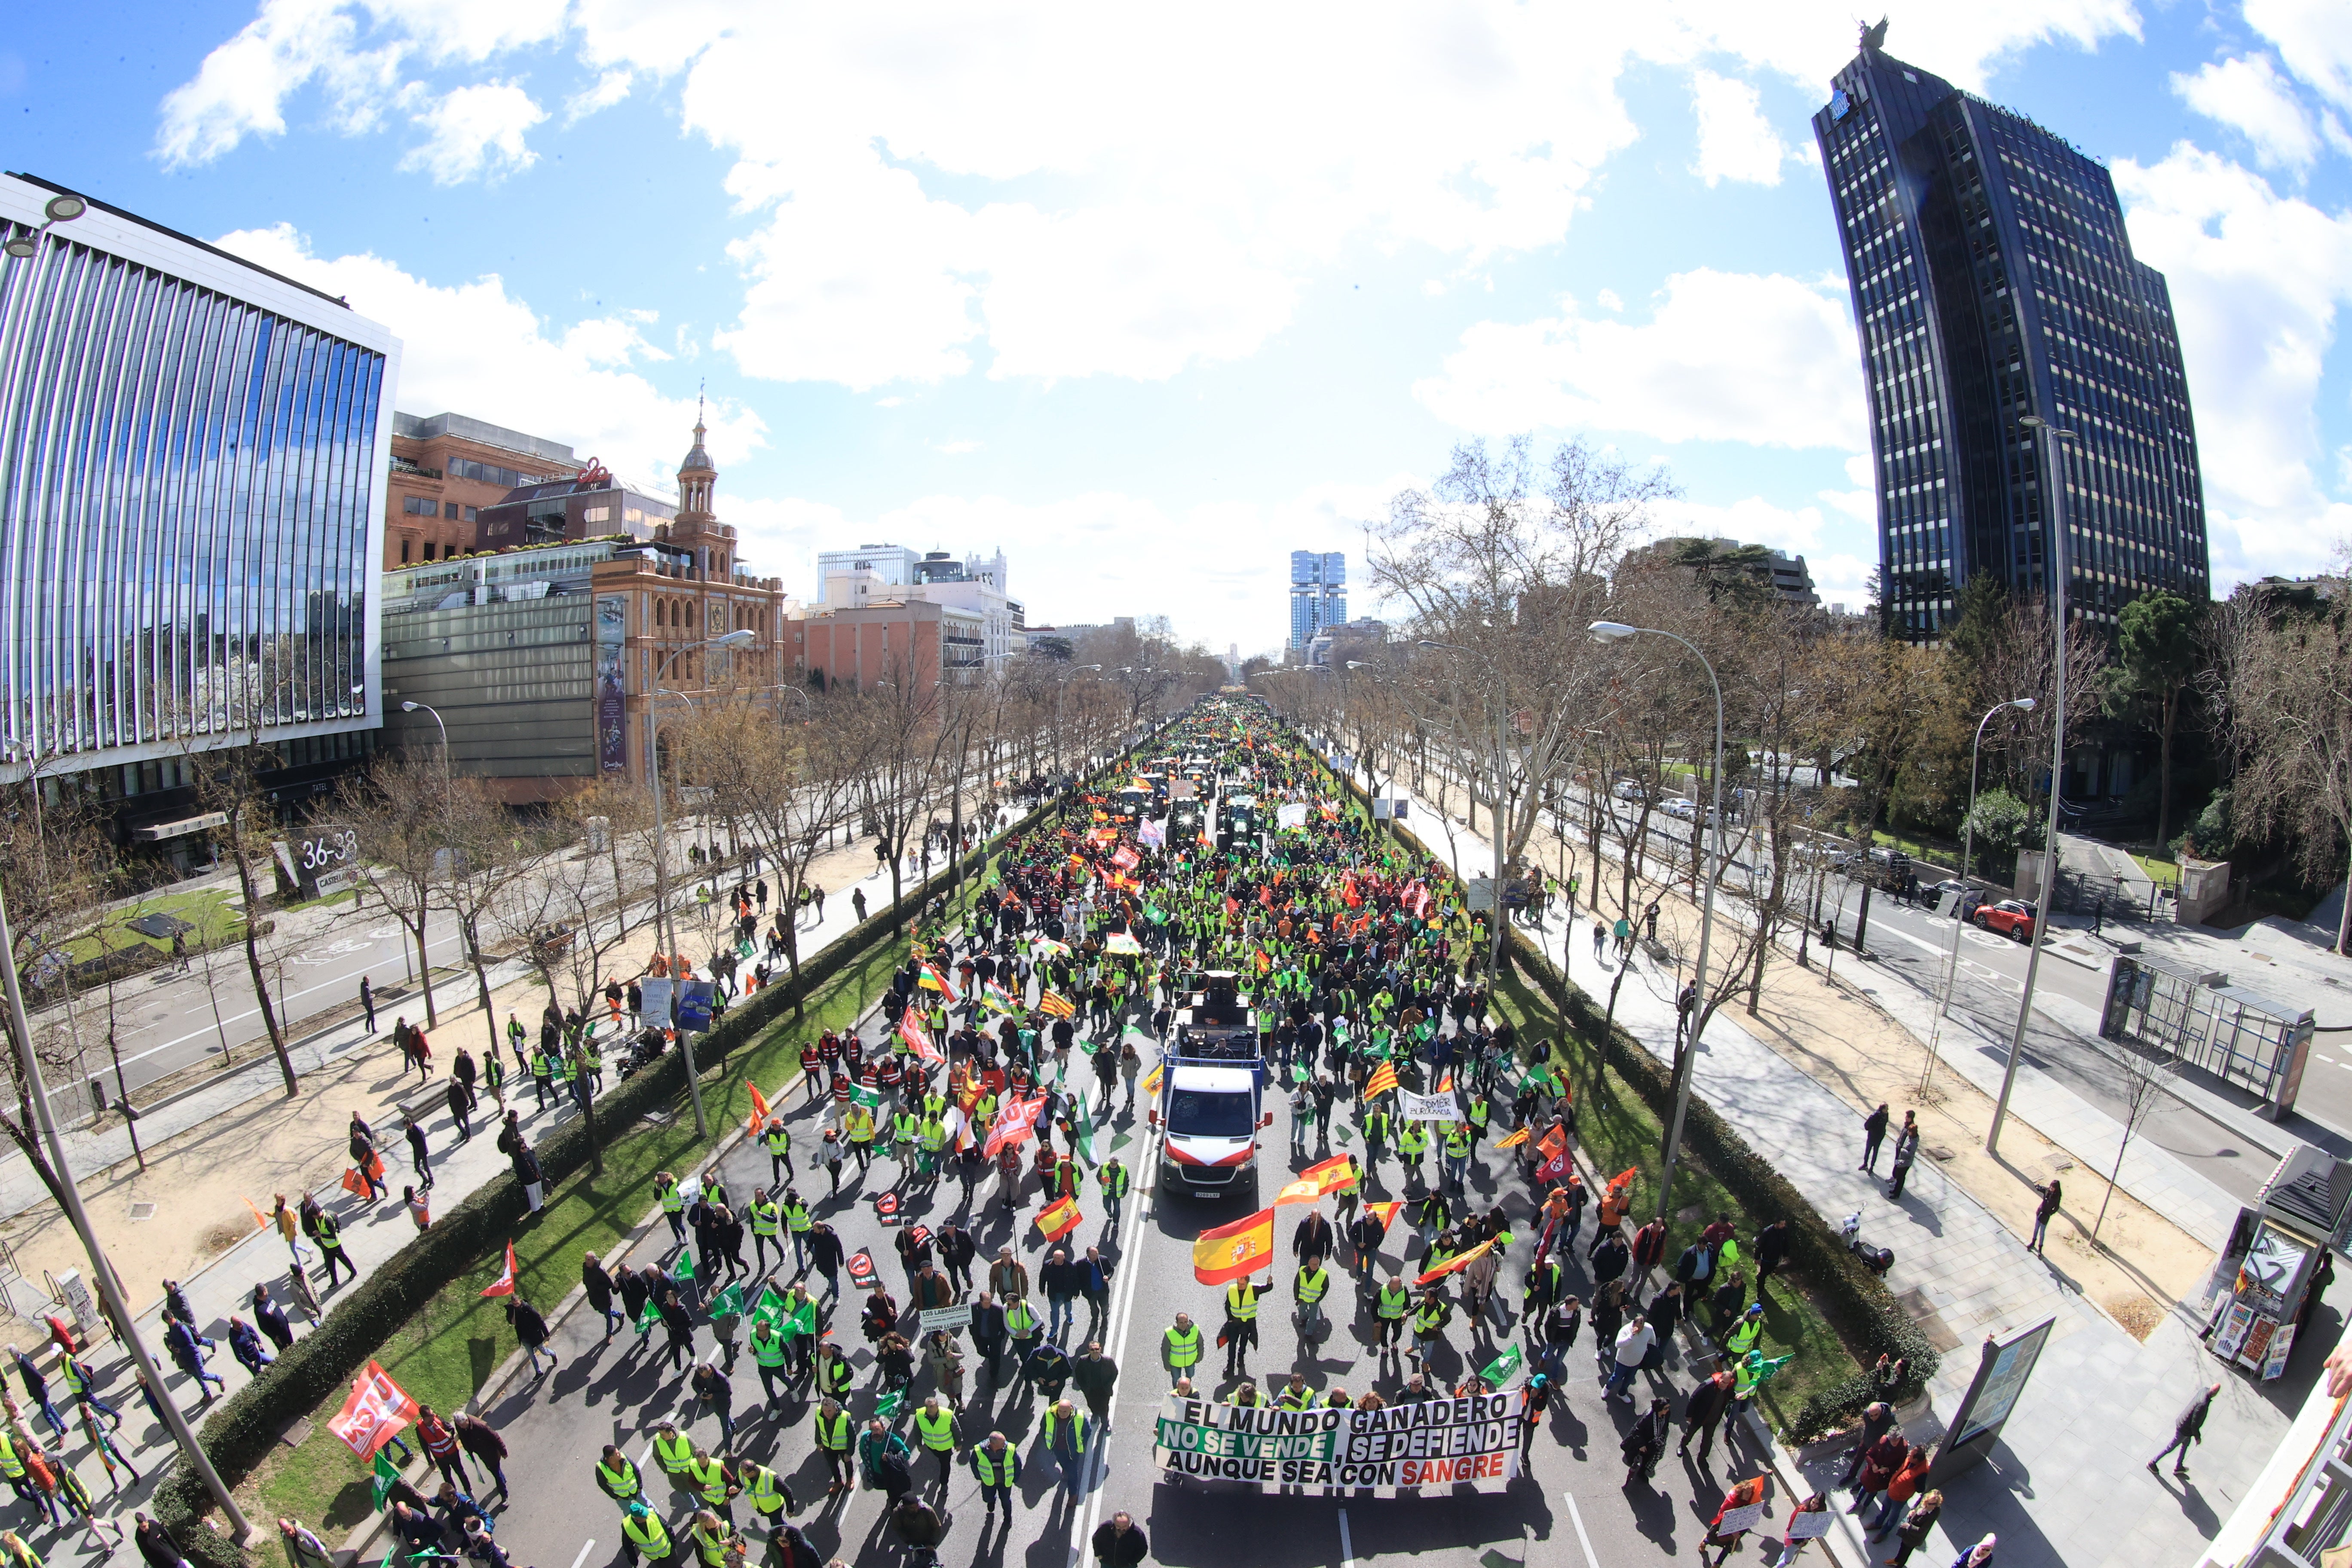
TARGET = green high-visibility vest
(1425,1320)
(10,1465)
(767,1490)
(672,1200)
(541,1067)
(619,1485)
(1077,1429)
(647,1532)
(1457,1142)
(1114,1179)
(765,1217)
(1413,1140)
(673,1453)
(1183,1346)
(712,1544)
(1296,1398)
(1020,1318)
(833,1435)
(1311,1286)
(571,1070)
(797,1217)
(1241,1301)
(712,1476)
(939,1435)
(997,1470)
(903,1127)
(935,1136)
(76,1380)
(779,1141)
(1393,1301)
(836,1377)
(767,1345)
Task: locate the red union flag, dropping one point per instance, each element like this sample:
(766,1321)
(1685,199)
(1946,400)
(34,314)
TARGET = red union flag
(916,1040)
(1126,859)
(1013,1124)
(377,1409)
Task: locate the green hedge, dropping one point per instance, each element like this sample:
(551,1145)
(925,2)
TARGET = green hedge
(323,1362)
(1855,1302)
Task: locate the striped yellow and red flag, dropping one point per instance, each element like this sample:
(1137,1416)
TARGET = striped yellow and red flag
(1514,1138)
(1335,1174)
(1056,1004)
(1383,1080)
(1298,1192)
(1233,1251)
(1456,1262)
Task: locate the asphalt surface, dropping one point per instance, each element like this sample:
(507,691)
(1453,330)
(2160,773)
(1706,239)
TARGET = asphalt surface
(1573,1496)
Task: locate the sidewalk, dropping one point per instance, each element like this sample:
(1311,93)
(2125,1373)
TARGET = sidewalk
(196,1181)
(2067,1484)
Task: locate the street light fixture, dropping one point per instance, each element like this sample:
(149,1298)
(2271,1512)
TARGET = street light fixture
(58,209)
(736,638)
(1686,1061)
(1968,843)
(65,209)
(428,708)
(2053,485)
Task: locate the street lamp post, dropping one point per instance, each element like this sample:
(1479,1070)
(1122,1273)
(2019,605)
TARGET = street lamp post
(428,708)
(65,208)
(110,1289)
(1968,843)
(1687,1054)
(661,853)
(2053,486)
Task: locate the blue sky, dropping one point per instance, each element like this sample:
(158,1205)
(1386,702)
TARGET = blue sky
(1150,297)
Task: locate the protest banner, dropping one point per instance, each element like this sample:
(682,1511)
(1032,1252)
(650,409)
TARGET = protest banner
(937,1318)
(1403,1450)
(1430,1108)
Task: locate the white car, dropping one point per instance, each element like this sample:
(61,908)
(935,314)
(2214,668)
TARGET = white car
(1626,789)
(1680,810)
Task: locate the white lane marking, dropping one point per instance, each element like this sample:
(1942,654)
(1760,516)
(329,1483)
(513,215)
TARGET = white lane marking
(1347,1546)
(1574,1517)
(1122,1315)
(585,1547)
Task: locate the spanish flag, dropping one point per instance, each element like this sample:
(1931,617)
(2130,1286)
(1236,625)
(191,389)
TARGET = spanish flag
(1235,1251)
(1299,1192)
(1385,1213)
(1332,1176)
(1151,1082)
(1456,1262)
(1383,1080)
(1058,1220)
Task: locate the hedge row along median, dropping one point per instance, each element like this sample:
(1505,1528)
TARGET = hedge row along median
(1859,1307)
(322,1365)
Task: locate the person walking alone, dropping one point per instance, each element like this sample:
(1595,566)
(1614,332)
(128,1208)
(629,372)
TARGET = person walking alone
(2043,1213)
(2189,1428)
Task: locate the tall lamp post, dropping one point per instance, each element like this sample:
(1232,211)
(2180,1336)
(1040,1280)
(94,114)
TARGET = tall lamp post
(428,708)
(2053,486)
(736,638)
(65,209)
(1686,1058)
(1968,843)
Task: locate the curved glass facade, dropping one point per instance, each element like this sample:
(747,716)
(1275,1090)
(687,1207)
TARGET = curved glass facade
(191,462)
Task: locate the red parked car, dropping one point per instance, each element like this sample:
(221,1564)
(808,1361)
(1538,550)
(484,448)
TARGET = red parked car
(2011,917)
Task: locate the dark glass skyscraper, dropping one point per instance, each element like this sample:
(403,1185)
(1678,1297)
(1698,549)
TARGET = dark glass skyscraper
(1992,279)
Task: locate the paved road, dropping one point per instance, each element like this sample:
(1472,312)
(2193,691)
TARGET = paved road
(613,1390)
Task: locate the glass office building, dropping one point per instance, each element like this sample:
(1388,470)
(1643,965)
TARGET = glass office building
(1318,592)
(193,454)
(1992,279)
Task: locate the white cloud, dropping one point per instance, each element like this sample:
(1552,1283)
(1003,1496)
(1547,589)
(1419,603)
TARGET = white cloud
(1727,357)
(1751,521)
(475,131)
(240,88)
(2314,37)
(476,349)
(1735,140)
(606,90)
(2248,94)
(980,189)
(957,448)
(2256,279)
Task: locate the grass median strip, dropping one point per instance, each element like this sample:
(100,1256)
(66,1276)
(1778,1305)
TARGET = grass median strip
(1616,1130)
(445,1354)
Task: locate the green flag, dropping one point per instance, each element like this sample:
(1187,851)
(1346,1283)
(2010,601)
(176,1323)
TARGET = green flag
(649,1315)
(386,1472)
(1300,1072)
(861,1095)
(684,1270)
(728,1301)
(770,1308)
(1503,1368)
(1768,1370)
(888,1404)
(802,1321)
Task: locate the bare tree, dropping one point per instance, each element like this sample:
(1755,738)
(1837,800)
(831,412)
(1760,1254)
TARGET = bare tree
(406,847)
(227,783)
